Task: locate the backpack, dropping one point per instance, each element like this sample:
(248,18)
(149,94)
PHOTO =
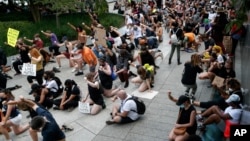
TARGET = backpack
(174,38)
(141,108)
(59,84)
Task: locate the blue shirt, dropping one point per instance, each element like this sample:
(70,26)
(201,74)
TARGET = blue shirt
(51,131)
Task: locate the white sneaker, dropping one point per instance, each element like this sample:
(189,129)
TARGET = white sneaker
(58,67)
(74,70)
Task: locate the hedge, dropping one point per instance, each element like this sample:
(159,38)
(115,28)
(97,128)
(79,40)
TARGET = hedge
(28,28)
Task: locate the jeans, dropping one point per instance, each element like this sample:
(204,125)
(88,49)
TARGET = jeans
(173,46)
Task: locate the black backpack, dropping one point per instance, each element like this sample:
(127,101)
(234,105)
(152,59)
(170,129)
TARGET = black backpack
(59,84)
(141,108)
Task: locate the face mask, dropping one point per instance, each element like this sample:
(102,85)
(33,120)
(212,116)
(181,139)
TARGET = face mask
(230,89)
(182,106)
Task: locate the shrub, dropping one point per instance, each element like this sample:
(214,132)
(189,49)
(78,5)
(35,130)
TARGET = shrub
(28,28)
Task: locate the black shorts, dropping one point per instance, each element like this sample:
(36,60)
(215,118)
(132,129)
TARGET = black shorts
(126,120)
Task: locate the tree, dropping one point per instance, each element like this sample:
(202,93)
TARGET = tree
(241,8)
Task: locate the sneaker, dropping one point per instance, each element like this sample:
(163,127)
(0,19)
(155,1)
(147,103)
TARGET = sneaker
(74,70)
(192,97)
(109,122)
(67,128)
(56,69)
(79,73)
(56,108)
(126,84)
(199,118)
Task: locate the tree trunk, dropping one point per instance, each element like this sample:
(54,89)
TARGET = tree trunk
(35,11)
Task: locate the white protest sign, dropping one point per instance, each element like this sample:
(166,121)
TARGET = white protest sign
(83,107)
(29,69)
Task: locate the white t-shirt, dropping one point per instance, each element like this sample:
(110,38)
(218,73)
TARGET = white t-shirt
(51,85)
(234,113)
(130,105)
(220,59)
(138,32)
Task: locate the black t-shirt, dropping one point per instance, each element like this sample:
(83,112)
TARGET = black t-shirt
(185,118)
(74,90)
(190,73)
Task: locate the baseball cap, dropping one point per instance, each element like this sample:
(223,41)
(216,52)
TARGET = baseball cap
(233,98)
(34,87)
(182,99)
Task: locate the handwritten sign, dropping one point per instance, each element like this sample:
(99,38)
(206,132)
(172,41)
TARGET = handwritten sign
(29,69)
(12,36)
(83,107)
(218,81)
(100,35)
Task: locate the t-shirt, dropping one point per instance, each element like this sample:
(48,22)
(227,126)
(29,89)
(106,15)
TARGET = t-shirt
(53,39)
(51,131)
(190,73)
(74,90)
(51,85)
(234,114)
(130,106)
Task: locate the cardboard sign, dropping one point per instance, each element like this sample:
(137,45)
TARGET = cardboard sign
(83,107)
(29,69)
(100,35)
(218,81)
(12,36)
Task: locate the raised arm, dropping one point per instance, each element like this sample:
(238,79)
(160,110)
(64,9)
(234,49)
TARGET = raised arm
(72,26)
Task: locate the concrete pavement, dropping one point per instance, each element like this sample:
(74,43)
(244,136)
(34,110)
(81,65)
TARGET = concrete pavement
(155,125)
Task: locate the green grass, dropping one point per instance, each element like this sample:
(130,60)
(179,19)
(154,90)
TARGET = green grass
(29,28)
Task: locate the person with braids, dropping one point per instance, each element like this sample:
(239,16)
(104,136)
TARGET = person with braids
(191,68)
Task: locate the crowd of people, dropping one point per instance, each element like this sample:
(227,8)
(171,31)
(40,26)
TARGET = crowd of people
(137,47)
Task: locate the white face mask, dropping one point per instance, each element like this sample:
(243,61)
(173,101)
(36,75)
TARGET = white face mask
(182,106)
(230,89)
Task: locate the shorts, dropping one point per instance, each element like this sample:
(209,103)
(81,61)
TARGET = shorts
(126,120)
(16,120)
(66,54)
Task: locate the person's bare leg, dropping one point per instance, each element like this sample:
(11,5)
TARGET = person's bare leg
(4,131)
(33,134)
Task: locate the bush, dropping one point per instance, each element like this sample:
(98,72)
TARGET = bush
(28,28)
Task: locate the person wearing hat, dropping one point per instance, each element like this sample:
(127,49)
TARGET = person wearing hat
(215,115)
(186,118)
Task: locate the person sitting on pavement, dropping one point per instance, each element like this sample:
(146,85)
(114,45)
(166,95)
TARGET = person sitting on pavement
(12,116)
(104,73)
(215,115)
(186,118)
(70,98)
(44,122)
(145,77)
(124,112)
(233,86)
(122,66)
(50,88)
(94,96)
(36,91)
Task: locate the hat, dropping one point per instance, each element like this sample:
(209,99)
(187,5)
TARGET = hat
(35,87)
(233,98)
(182,99)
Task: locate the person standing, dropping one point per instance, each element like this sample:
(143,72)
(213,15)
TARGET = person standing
(179,34)
(191,68)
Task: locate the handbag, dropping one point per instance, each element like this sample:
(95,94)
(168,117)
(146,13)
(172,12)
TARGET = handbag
(228,43)
(180,130)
